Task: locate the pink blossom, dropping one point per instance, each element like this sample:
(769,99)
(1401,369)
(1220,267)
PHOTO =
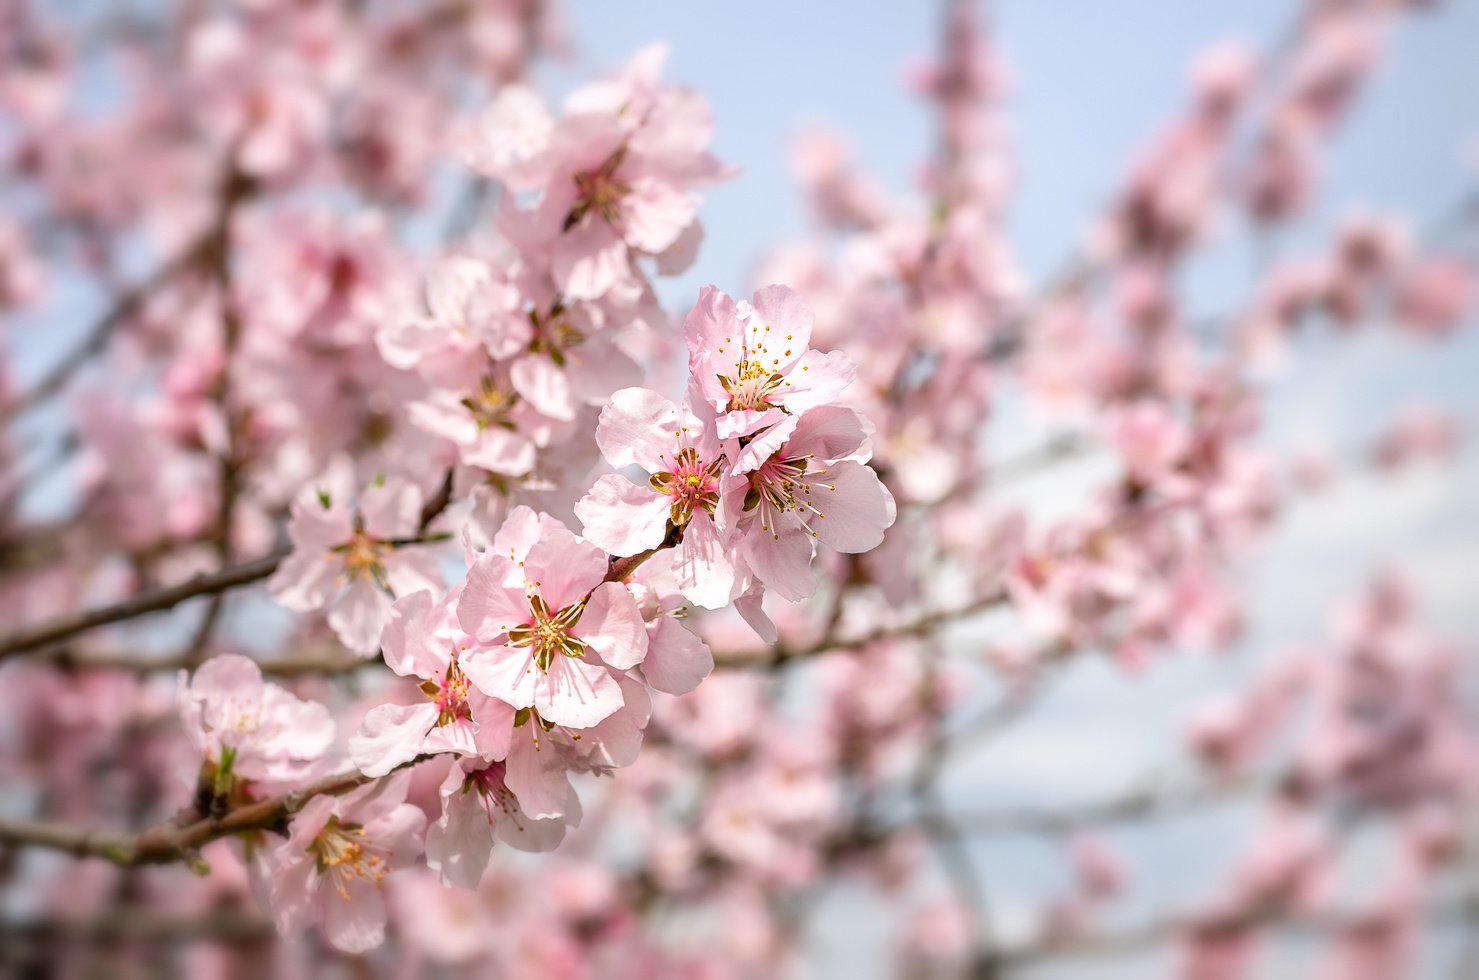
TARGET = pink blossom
(337,854)
(549,627)
(477,806)
(683,458)
(421,640)
(250,728)
(803,480)
(616,174)
(751,361)
(469,307)
(355,558)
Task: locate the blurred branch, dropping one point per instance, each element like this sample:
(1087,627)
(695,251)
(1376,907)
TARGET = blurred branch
(211,583)
(1156,932)
(1141,803)
(182,837)
(236,188)
(36,944)
(782,654)
(158,600)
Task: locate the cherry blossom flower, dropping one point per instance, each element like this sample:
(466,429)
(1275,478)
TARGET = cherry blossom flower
(803,480)
(336,855)
(249,728)
(683,458)
(477,807)
(751,362)
(616,174)
(355,559)
(422,640)
(549,626)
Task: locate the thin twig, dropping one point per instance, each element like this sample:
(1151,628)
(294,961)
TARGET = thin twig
(158,600)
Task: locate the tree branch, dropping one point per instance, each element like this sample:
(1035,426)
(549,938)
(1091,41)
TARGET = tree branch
(183,836)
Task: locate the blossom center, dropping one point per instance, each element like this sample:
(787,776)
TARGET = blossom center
(491,404)
(690,483)
(341,851)
(554,335)
(492,788)
(751,388)
(450,694)
(548,633)
(600,191)
(784,485)
(756,375)
(363,554)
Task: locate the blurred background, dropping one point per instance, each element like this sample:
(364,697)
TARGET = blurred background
(1090,85)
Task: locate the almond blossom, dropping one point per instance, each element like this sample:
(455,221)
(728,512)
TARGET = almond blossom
(616,174)
(421,640)
(682,456)
(337,853)
(249,728)
(478,806)
(355,558)
(751,361)
(801,481)
(549,626)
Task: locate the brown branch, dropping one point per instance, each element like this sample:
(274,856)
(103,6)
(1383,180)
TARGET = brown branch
(1147,802)
(158,600)
(182,837)
(1156,932)
(136,924)
(781,654)
(323,664)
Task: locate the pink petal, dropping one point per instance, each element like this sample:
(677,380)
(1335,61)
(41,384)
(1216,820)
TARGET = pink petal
(458,844)
(655,213)
(306,580)
(358,924)
(677,660)
(489,607)
(589,259)
(391,508)
(359,614)
(544,386)
(790,320)
(701,564)
(612,625)
(537,776)
(856,508)
(390,735)
(638,426)
(412,569)
(816,379)
(623,518)
(577,693)
(564,567)
(783,560)
(505,673)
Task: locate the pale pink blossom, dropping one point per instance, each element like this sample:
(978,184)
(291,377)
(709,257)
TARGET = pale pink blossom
(338,851)
(249,728)
(752,361)
(355,557)
(549,626)
(478,806)
(422,640)
(805,480)
(681,454)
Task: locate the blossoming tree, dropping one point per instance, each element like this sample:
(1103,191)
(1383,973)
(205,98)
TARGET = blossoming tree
(383,523)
